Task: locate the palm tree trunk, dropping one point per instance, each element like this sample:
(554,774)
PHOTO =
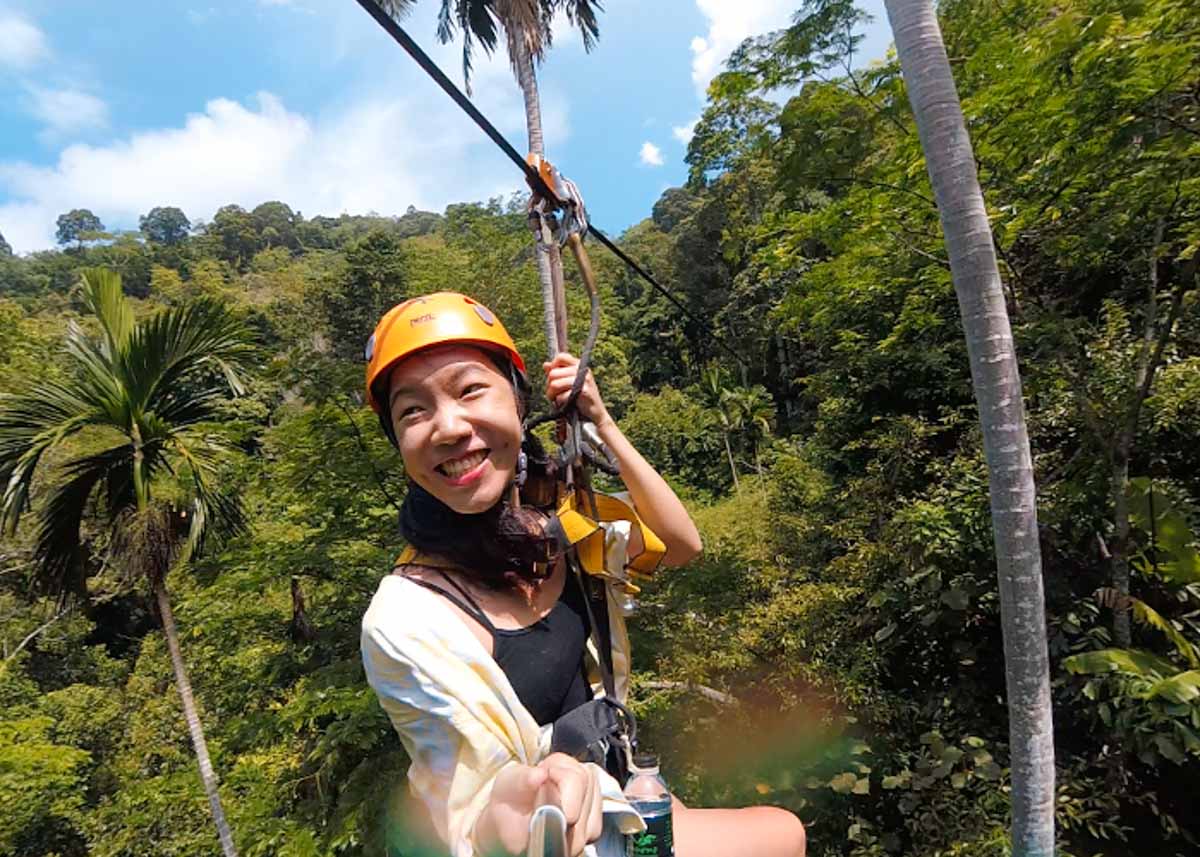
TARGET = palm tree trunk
(300,628)
(951,164)
(732,466)
(207,775)
(549,259)
(1119,546)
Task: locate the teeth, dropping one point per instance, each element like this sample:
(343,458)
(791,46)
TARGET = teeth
(459,466)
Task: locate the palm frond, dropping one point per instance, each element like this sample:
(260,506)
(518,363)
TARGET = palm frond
(396,8)
(103,295)
(215,514)
(99,380)
(57,550)
(30,424)
(527,22)
(1132,662)
(1181,689)
(180,343)
(476,19)
(582,13)
(1146,615)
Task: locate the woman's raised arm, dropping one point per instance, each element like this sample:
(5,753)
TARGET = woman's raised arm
(656,503)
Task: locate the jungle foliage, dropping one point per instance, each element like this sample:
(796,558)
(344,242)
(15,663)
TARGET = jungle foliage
(845,610)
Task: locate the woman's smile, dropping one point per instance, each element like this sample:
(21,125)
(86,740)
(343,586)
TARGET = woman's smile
(464,470)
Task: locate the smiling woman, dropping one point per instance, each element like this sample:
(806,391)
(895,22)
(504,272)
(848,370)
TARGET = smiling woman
(478,643)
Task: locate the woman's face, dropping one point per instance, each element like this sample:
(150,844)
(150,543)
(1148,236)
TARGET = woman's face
(455,418)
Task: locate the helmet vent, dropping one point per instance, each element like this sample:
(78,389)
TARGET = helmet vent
(484,314)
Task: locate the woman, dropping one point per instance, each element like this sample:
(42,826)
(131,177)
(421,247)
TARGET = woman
(478,641)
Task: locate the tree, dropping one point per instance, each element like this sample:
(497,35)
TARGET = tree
(236,234)
(370,283)
(78,225)
(164,225)
(153,384)
(276,224)
(714,381)
(528,33)
(755,415)
(5,247)
(950,162)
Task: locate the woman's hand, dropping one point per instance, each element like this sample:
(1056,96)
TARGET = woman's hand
(505,821)
(560,376)
(653,498)
(579,789)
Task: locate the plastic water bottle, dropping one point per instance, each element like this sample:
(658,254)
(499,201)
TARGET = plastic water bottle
(647,792)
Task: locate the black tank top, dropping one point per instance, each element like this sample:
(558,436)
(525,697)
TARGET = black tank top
(543,661)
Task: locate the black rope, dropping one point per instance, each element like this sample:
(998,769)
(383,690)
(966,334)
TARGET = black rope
(531,175)
(620,254)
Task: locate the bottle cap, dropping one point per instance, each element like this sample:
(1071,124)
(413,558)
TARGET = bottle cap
(645,761)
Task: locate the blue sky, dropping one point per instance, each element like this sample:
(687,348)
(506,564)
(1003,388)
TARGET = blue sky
(200,103)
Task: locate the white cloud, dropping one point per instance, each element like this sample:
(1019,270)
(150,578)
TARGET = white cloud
(381,153)
(650,155)
(66,111)
(22,44)
(729,23)
(683,133)
(397,141)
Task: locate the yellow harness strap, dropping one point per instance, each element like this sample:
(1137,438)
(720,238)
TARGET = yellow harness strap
(411,556)
(585,534)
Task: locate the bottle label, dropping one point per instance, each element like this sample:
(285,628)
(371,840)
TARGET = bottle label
(655,841)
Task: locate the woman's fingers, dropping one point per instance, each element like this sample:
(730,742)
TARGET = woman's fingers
(594,821)
(560,379)
(582,804)
(572,781)
(562,358)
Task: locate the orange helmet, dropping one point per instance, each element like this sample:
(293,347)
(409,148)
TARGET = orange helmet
(436,319)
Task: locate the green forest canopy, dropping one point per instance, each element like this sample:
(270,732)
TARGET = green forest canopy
(846,599)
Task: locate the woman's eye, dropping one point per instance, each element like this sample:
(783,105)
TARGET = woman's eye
(473,388)
(409,411)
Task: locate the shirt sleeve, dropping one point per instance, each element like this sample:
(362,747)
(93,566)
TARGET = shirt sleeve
(455,754)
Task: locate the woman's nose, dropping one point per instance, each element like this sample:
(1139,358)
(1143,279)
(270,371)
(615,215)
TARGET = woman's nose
(450,425)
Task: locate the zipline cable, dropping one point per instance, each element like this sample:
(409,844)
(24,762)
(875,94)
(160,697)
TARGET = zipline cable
(393,29)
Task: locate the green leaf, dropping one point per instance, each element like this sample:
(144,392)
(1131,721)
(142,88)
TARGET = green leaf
(988,771)
(1181,688)
(955,599)
(1133,662)
(1191,741)
(1169,749)
(843,783)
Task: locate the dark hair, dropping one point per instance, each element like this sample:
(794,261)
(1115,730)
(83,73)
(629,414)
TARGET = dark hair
(503,546)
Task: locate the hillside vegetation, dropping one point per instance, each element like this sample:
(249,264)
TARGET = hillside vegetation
(837,648)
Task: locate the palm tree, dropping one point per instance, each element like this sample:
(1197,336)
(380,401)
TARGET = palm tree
(951,165)
(142,391)
(756,414)
(527,30)
(714,383)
